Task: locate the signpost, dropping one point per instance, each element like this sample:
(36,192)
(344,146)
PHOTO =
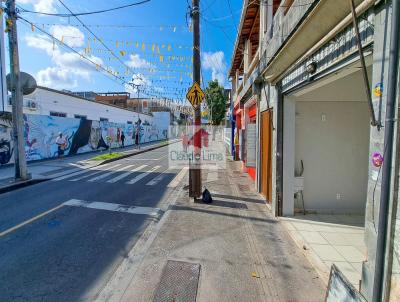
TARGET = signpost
(195,95)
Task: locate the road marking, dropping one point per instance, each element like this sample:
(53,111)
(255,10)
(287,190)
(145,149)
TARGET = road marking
(83,170)
(158,178)
(114,207)
(109,173)
(64,172)
(94,173)
(119,177)
(29,221)
(178,178)
(143,175)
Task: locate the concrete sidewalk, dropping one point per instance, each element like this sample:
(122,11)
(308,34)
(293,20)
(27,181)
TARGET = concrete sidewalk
(243,252)
(42,169)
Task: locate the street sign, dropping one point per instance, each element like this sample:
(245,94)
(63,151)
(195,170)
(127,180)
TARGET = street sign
(195,95)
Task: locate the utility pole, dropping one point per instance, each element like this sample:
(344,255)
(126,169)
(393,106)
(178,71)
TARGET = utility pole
(21,172)
(195,167)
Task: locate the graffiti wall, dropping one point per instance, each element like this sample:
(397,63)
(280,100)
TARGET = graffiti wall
(82,136)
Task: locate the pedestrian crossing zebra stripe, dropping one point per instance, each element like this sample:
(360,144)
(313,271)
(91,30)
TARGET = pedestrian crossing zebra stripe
(102,176)
(94,173)
(126,174)
(142,175)
(81,171)
(158,178)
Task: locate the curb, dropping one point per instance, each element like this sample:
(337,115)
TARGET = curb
(21,184)
(135,153)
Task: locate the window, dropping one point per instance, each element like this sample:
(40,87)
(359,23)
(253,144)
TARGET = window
(59,114)
(82,117)
(129,122)
(103,119)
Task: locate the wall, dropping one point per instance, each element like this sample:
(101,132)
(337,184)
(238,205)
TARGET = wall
(41,131)
(51,100)
(334,153)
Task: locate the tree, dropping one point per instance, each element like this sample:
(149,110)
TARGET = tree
(215,102)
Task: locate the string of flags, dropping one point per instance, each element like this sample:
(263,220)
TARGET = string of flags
(172,28)
(153,91)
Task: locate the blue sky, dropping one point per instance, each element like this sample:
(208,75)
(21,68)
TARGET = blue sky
(141,37)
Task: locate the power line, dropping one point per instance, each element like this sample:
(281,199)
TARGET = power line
(84,14)
(112,76)
(89,30)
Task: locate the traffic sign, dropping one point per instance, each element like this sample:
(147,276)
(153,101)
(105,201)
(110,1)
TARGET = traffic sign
(195,95)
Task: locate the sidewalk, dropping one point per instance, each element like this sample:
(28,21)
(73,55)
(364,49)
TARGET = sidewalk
(243,252)
(42,169)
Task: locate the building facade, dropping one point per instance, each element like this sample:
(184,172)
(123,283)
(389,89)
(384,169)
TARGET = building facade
(310,86)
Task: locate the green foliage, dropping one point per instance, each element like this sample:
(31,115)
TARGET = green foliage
(216,102)
(108,156)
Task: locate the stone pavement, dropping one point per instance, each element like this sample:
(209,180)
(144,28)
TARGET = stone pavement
(244,253)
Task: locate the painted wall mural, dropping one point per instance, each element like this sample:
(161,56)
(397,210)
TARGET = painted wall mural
(41,131)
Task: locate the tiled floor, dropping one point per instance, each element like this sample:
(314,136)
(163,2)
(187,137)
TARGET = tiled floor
(329,239)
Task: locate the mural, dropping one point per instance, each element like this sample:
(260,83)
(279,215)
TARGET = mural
(82,136)
(6,145)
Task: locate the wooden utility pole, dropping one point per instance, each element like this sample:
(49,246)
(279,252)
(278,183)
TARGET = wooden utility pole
(195,166)
(21,172)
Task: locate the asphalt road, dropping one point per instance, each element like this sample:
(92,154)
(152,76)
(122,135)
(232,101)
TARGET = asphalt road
(61,240)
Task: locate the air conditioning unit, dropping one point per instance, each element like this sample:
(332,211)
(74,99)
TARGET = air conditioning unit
(32,105)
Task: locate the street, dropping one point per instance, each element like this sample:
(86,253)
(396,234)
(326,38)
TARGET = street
(54,248)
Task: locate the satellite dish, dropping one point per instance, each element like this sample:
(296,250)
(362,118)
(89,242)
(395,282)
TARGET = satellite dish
(28,83)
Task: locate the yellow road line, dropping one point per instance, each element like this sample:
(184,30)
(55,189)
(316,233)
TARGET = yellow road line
(29,221)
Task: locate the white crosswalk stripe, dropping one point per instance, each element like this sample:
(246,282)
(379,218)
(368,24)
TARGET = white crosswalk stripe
(142,175)
(102,176)
(126,174)
(94,173)
(158,178)
(81,171)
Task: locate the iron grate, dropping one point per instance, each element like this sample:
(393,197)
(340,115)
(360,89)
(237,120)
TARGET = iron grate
(179,282)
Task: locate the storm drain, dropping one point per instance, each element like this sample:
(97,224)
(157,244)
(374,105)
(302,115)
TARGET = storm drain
(179,281)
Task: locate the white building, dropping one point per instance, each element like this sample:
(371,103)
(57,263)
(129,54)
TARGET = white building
(47,101)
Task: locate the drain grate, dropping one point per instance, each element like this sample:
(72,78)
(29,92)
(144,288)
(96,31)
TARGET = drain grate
(179,281)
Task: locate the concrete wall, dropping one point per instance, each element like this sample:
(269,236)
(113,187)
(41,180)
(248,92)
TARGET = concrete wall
(49,100)
(332,139)
(83,135)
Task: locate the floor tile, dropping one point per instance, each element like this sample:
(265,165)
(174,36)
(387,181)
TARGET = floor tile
(334,238)
(327,252)
(354,239)
(357,266)
(350,253)
(303,226)
(313,237)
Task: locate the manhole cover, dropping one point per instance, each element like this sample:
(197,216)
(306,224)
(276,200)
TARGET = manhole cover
(179,281)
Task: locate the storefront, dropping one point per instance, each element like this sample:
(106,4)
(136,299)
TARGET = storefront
(250,135)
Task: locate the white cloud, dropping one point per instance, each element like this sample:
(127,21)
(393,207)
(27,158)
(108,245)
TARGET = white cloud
(70,35)
(136,62)
(56,77)
(68,67)
(215,61)
(138,79)
(44,6)
(41,42)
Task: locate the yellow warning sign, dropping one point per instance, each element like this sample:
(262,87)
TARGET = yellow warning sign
(195,95)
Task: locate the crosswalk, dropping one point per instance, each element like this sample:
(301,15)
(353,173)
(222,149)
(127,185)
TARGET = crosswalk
(124,174)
